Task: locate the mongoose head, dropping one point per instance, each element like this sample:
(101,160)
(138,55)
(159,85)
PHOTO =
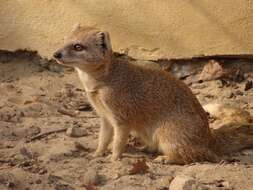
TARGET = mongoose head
(85,48)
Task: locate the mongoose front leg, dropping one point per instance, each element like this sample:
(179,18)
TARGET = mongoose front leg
(120,139)
(105,137)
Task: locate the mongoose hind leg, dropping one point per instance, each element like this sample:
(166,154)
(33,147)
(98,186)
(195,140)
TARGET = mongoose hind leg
(119,141)
(105,137)
(180,145)
(187,154)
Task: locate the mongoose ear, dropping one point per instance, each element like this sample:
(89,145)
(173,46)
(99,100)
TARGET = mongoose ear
(104,41)
(76,27)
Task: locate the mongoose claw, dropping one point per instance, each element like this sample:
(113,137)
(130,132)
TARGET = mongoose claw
(146,149)
(98,154)
(163,160)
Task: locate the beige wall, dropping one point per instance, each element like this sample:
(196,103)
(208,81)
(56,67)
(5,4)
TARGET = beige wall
(144,28)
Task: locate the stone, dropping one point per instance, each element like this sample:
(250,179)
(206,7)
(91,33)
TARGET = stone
(166,181)
(25,152)
(230,95)
(183,182)
(91,177)
(211,71)
(64,187)
(76,132)
(248,85)
(38,181)
(44,63)
(239,93)
(55,68)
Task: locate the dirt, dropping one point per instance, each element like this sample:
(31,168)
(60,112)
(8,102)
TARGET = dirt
(36,99)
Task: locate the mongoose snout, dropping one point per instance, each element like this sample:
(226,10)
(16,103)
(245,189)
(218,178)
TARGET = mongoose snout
(57,55)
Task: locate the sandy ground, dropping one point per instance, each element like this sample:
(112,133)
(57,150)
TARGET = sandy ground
(34,100)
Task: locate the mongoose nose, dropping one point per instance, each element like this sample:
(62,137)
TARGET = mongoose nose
(57,55)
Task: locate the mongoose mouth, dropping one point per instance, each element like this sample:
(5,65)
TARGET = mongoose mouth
(58,61)
(64,63)
(58,57)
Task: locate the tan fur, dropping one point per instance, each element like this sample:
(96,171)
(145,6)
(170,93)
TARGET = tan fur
(228,113)
(159,108)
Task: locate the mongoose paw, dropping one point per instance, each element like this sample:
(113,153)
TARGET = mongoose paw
(98,154)
(146,149)
(164,160)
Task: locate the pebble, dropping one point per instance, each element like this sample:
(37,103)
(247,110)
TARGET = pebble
(43,63)
(230,95)
(211,71)
(238,92)
(76,132)
(248,85)
(38,181)
(166,181)
(184,182)
(91,177)
(42,171)
(55,68)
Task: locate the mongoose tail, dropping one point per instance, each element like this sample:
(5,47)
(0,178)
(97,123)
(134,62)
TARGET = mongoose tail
(234,137)
(236,131)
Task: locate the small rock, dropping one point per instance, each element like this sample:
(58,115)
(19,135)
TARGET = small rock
(226,184)
(166,181)
(230,95)
(139,167)
(76,132)
(42,171)
(239,93)
(184,182)
(248,85)
(211,71)
(43,63)
(222,184)
(198,86)
(55,68)
(63,187)
(26,153)
(32,110)
(38,181)
(10,86)
(91,177)
(238,76)
(10,184)
(53,179)
(80,147)
(220,83)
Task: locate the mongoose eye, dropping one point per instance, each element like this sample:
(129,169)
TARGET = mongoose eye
(78,47)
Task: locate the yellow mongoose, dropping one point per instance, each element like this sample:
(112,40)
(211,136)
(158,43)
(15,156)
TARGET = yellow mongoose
(160,109)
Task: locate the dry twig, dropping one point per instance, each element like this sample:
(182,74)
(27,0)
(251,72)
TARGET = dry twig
(45,134)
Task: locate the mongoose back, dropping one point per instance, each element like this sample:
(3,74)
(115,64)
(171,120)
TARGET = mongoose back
(157,107)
